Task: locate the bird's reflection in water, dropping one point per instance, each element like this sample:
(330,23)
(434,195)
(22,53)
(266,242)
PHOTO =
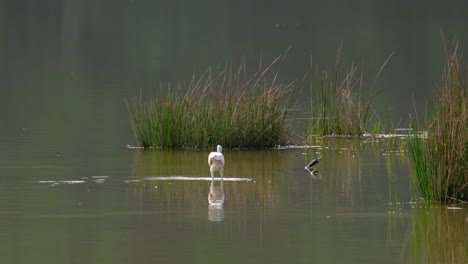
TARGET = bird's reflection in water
(216,202)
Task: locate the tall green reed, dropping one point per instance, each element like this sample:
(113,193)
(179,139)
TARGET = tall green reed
(440,161)
(337,105)
(227,106)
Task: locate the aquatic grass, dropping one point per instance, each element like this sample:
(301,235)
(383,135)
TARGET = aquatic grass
(337,105)
(225,107)
(440,161)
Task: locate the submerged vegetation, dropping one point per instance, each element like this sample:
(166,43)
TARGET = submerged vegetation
(226,107)
(441,160)
(338,107)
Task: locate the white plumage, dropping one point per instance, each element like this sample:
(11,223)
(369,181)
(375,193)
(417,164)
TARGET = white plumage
(216,162)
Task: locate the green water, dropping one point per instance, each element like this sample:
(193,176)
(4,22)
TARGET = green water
(72,192)
(69,210)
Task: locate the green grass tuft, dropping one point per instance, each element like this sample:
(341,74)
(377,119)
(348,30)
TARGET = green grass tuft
(337,106)
(224,107)
(440,161)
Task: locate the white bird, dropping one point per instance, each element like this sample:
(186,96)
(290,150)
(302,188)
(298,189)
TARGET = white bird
(216,162)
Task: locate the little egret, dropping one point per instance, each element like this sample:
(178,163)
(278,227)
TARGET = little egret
(216,162)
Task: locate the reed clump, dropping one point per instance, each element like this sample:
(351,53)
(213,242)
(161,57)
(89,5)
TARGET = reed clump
(225,106)
(337,105)
(440,161)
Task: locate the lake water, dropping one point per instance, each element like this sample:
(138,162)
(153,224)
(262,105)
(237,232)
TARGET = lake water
(72,192)
(115,207)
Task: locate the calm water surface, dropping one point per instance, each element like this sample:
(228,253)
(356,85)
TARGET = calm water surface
(70,209)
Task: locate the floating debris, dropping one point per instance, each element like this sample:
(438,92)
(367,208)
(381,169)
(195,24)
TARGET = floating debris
(312,170)
(99,180)
(297,147)
(312,163)
(72,182)
(422,134)
(404,129)
(128,181)
(187,178)
(100,177)
(67,182)
(134,147)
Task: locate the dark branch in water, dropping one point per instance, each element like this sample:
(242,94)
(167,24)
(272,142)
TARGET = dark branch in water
(310,166)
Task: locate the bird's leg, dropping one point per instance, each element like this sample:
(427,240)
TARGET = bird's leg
(212,175)
(222,188)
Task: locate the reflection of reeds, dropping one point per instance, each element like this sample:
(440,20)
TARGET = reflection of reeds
(225,107)
(441,160)
(349,170)
(337,105)
(438,236)
(342,169)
